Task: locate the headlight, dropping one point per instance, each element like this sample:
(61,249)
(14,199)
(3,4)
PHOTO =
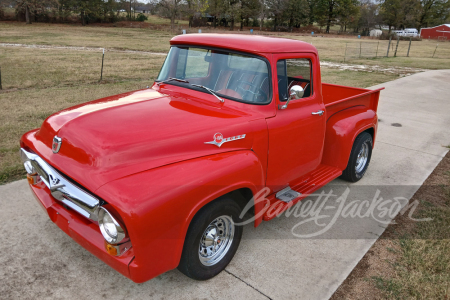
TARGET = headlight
(110,228)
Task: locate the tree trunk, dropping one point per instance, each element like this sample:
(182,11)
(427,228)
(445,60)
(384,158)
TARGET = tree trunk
(83,19)
(275,24)
(232,25)
(242,23)
(330,16)
(261,24)
(389,29)
(27,15)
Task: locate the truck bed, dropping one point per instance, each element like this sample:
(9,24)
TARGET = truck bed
(338,97)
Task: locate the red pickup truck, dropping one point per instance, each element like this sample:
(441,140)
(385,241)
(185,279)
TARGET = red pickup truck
(158,178)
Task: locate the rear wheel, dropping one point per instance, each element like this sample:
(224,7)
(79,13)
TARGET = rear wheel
(212,240)
(359,158)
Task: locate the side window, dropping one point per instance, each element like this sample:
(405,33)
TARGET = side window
(298,72)
(282,80)
(196,64)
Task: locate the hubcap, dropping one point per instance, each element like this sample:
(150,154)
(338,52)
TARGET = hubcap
(216,240)
(361,160)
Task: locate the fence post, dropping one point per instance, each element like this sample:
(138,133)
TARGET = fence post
(103,58)
(360,49)
(389,46)
(398,40)
(376,54)
(1,88)
(435,51)
(409,47)
(345,53)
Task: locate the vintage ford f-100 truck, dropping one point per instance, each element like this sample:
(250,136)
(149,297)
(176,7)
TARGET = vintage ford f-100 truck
(160,178)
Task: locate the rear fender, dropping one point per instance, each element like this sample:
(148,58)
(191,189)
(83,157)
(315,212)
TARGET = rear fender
(341,131)
(158,205)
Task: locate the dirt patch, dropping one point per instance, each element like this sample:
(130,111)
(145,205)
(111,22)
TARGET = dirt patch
(405,71)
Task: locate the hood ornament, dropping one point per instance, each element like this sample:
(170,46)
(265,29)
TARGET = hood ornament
(56,145)
(219,140)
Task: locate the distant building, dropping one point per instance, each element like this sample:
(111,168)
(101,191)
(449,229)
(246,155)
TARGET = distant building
(411,32)
(375,32)
(140,9)
(436,32)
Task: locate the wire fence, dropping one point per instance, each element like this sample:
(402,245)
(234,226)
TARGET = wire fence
(397,48)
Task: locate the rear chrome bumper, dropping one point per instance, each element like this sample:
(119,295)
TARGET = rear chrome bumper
(61,188)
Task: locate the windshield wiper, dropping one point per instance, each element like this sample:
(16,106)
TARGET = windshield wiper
(172,78)
(209,90)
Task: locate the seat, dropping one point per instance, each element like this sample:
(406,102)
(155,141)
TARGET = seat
(245,84)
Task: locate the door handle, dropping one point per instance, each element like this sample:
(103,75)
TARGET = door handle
(320,112)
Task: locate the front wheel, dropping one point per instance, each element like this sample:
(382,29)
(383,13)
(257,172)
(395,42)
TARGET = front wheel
(359,158)
(212,240)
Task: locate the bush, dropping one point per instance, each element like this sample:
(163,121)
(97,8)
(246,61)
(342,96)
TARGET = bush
(141,18)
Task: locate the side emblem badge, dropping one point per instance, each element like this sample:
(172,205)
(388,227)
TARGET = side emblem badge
(219,140)
(56,145)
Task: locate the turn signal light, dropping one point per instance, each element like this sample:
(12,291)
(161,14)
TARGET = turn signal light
(110,249)
(32,179)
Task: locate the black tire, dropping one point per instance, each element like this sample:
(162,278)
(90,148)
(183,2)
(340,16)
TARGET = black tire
(355,171)
(190,263)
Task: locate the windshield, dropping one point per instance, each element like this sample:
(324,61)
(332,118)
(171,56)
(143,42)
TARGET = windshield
(230,75)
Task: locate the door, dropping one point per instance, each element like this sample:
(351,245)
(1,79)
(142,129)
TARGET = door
(297,132)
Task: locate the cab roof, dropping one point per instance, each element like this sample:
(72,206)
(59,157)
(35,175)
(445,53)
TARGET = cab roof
(243,42)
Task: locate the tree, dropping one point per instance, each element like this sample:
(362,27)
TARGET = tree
(347,12)
(325,10)
(172,9)
(249,9)
(233,12)
(277,9)
(296,13)
(390,13)
(92,10)
(34,6)
(432,12)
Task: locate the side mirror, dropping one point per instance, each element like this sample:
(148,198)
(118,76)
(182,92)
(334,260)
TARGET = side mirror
(296,92)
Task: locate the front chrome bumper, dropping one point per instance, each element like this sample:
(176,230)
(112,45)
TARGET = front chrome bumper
(61,188)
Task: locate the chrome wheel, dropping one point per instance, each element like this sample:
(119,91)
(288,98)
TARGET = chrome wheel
(216,240)
(361,160)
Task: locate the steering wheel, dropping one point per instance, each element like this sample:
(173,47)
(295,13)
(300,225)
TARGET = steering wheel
(259,92)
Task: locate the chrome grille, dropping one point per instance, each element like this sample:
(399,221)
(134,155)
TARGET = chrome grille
(61,188)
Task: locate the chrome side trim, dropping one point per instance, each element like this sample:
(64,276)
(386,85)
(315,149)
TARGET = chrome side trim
(61,188)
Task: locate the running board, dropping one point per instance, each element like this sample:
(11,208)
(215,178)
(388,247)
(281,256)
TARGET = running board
(287,197)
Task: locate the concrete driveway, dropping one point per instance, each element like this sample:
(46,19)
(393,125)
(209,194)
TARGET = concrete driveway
(275,260)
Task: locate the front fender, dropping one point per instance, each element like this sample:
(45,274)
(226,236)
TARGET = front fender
(342,130)
(158,205)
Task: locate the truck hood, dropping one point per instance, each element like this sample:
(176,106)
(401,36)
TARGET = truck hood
(129,133)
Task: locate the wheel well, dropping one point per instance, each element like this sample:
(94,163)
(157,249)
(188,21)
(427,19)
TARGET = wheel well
(242,197)
(371,131)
